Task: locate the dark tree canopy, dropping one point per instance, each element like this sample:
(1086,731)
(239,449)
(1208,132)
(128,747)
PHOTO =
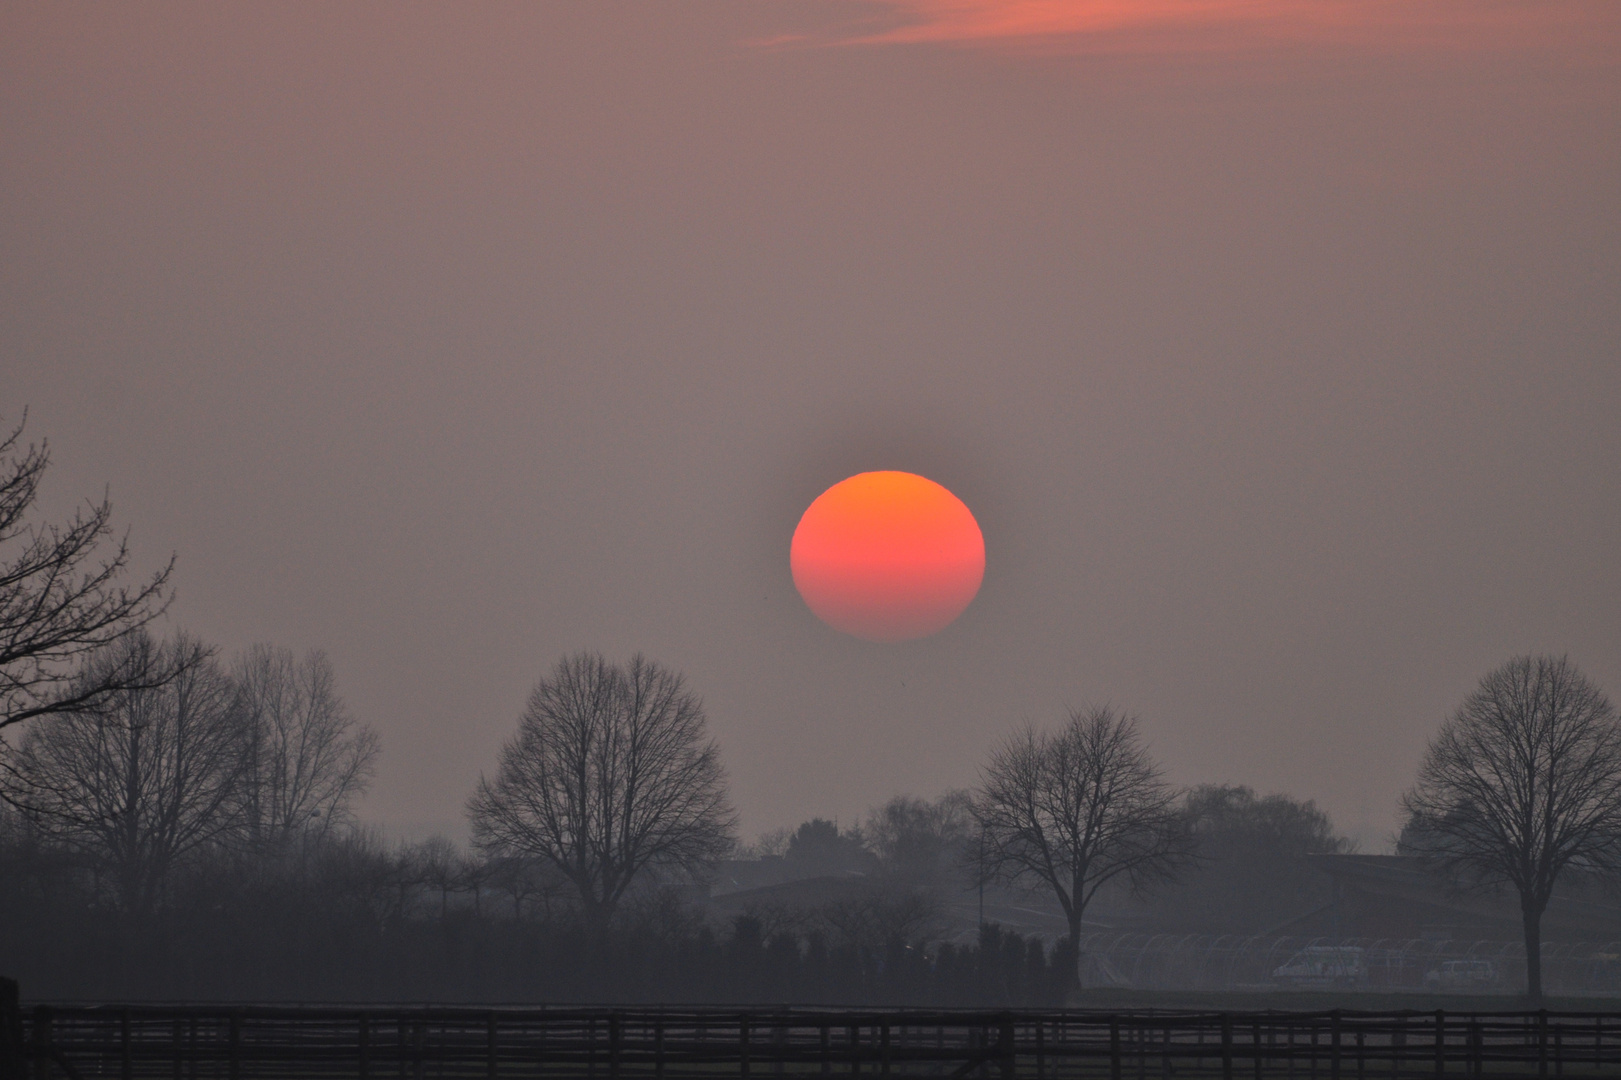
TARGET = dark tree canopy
(819,847)
(1522,783)
(921,840)
(611,773)
(1231,818)
(1252,873)
(62,599)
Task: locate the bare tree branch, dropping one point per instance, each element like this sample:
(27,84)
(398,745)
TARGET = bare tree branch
(61,601)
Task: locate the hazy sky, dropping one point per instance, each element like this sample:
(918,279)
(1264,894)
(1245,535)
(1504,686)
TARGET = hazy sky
(1274,344)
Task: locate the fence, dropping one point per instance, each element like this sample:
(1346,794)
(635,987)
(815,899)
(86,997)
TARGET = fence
(262,1043)
(1208,962)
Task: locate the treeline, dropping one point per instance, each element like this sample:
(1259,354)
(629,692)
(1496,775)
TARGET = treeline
(344,917)
(338,914)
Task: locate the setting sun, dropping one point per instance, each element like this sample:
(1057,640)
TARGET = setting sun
(888,556)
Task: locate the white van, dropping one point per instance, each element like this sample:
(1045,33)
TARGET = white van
(1324,966)
(1462,975)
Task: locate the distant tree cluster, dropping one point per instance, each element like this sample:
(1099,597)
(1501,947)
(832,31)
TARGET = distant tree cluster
(213,765)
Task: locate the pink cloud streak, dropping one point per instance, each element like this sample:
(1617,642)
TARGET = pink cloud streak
(1088,24)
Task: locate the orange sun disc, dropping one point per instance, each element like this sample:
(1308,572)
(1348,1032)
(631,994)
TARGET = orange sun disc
(888,556)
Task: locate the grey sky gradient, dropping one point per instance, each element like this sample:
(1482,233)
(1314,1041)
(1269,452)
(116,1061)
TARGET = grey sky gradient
(1283,380)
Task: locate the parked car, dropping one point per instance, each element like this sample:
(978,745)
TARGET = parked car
(1464,975)
(1323,966)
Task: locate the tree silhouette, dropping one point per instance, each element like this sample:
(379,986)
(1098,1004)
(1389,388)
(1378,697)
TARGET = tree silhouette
(146,778)
(1076,809)
(1521,783)
(610,773)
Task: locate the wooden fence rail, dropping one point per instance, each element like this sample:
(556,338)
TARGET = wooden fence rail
(263,1043)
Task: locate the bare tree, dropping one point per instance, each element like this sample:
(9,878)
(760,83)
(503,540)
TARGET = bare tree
(309,758)
(877,917)
(771,842)
(60,600)
(474,875)
(146,777)
(610,773)
(439,864)
(522,877)
(1075,809)
(1521,783)
(918,840)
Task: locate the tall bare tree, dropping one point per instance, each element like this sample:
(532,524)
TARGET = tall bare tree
(1077,808)
(1521,783)
(61,599)
(611,773)
(309,759)
(918,840)
(144,778)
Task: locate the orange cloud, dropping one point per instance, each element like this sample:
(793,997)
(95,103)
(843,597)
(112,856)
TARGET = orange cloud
(1064,25)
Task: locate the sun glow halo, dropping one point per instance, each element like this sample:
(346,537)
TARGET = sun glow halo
(888,556)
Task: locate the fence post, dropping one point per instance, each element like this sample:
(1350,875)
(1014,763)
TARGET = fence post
(126,1063)
(1114,1048)
(1226,1047)
(883,1050)
(743,1046)
(12,1049)
(615,1031)
(1005,1049)
(1334,1045)
(365,1047)
(1440,1042)
(233,1036)
(1474,1047)
(1542,1042)
(827,1058)
(177,1036)
(658,1049)
(490,1056)
(42,1037)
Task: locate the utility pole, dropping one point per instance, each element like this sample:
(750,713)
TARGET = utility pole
(980,877)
